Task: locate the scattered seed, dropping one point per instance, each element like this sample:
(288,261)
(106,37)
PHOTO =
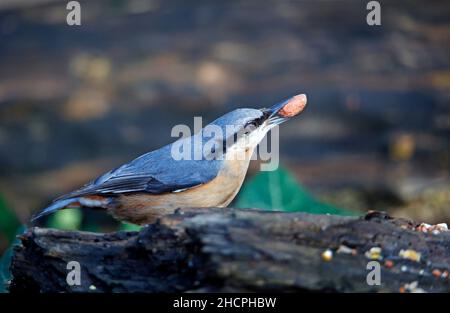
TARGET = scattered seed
(413,287)
(434,229)
(346,250)
(374,253)
(410,254)
(327,255)
(423,227)
(435,232)
(436,273)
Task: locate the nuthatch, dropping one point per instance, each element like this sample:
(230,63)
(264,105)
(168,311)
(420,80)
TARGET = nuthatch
(156,183)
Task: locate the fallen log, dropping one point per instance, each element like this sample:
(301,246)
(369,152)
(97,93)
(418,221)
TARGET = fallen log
(220,250)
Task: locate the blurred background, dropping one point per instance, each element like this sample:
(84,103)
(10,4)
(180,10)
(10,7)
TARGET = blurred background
(76,101)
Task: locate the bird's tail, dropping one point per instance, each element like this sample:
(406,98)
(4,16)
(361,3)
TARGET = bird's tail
(89,201)
(55,206)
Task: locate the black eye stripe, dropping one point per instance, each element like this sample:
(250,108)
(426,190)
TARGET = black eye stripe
(258,121)
(252,122)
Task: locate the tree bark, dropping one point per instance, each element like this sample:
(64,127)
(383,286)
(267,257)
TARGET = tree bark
(220,250)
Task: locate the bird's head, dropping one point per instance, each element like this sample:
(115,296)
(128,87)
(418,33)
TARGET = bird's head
(245,128)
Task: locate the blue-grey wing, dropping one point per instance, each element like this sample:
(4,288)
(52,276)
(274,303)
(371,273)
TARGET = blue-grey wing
(155,172)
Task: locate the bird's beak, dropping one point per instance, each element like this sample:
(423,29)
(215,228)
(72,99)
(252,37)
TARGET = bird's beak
(286,109)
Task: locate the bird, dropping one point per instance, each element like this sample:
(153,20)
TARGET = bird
(159,182)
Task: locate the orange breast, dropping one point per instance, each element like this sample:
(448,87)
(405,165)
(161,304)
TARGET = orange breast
(219,192)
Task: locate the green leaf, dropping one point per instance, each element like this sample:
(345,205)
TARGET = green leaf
(68,219)
(129,227)
(5,261)
(8,221)
(279,191)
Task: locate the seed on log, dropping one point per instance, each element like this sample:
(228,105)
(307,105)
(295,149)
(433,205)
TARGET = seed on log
(412,287)
(434,229)
(374,253)
(346,250)
(410,254)
(436,273)
(327,255)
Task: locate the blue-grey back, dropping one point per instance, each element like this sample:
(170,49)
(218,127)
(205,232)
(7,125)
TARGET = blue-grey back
(158,171)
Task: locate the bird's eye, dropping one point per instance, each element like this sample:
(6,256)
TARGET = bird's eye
(250,126)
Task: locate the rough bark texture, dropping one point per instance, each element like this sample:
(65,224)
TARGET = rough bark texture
(235,250)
